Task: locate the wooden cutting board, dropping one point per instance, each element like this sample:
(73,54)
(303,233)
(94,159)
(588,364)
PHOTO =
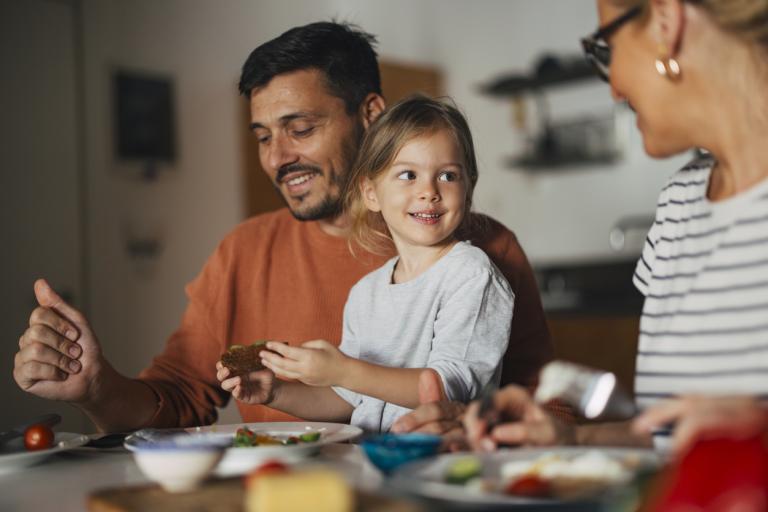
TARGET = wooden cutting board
(219,495)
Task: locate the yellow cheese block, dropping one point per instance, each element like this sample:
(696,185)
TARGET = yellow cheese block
(317,490)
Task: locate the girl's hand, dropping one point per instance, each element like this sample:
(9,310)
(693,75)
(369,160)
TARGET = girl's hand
(252,388)
(315,363)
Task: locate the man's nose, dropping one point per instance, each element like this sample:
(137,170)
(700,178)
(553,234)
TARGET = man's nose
(280,152)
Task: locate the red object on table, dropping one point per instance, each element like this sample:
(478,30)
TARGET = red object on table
(717,475)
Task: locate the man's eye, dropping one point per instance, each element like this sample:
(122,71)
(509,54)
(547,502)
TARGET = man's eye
(448,176)
(406,175)
(262,139)
(304,132)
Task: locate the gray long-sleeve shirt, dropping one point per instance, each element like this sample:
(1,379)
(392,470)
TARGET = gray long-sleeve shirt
(454,318)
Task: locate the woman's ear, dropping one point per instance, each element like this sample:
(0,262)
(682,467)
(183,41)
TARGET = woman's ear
(668,23)
(371,200)
(371,108)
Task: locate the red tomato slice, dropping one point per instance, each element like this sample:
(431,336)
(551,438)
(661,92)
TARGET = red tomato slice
(270,467)
(38,437)
(529,485)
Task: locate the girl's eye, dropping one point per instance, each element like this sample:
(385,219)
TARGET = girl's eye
(448,176)
(406,175)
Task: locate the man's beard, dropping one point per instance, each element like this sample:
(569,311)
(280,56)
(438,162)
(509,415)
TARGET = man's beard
(332,205)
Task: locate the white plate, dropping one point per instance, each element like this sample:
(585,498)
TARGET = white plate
(427,478)
(14,456)
(238,461)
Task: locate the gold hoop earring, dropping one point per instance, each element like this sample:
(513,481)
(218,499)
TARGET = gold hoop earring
(668,68)
(673,69)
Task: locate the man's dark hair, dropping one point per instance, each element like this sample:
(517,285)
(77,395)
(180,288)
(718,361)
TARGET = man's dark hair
(343,52)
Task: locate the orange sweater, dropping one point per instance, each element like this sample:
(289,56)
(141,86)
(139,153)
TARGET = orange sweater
(276,278)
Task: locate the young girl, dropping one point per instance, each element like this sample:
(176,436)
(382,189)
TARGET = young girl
(439,304)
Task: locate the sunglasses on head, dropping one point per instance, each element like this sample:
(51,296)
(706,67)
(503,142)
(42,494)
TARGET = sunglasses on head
(596,48)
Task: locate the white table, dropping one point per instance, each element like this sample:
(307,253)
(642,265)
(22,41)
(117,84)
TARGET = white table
(62,482)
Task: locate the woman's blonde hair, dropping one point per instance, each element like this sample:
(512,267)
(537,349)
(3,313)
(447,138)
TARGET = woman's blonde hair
(747,19)
(412,117)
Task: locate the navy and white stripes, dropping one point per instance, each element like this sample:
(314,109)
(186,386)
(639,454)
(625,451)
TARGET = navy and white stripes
(704,274)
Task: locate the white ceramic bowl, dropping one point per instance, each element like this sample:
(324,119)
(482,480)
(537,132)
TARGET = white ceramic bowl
(178,463)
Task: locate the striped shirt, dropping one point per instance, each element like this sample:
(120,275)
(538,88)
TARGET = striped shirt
(704,275)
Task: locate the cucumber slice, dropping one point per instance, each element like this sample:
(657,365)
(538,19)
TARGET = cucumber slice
(463,470)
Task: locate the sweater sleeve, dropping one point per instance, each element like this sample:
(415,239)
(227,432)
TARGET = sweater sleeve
(183,376)
(530,346)
(471,335)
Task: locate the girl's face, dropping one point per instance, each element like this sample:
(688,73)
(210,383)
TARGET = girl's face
(657,102)
(422,195)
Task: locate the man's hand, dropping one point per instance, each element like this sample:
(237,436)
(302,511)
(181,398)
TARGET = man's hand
(315,363)
(253,388)
(699,417)
(59,357)
(525,423)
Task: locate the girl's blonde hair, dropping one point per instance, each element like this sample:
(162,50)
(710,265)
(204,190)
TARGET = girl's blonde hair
(408,119)
(747,19)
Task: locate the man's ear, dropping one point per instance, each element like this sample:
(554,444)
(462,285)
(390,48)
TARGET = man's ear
(370,198)
(371,108)
(668,23)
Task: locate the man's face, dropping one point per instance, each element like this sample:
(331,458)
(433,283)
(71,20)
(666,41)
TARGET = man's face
(307,141)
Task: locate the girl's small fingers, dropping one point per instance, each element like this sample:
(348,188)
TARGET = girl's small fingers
(284,349)
(271,361)
(280,372)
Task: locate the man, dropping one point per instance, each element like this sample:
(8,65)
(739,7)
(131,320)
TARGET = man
(284,275)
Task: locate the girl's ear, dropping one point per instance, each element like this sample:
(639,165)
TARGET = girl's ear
(370,198)
(371,108)
(668,24)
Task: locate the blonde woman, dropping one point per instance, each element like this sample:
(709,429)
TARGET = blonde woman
(440,305)
(696,74)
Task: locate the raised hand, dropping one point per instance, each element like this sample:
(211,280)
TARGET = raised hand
(252,388)
(315,363)
(59,357)
(435,415)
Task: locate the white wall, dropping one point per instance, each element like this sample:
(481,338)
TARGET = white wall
(559,216)
(202,45)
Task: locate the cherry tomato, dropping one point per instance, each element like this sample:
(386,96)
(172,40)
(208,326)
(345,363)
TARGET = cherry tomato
(38,437)
(529,485)
(271,467)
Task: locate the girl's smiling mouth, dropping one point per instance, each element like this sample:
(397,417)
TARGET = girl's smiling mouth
(426,217)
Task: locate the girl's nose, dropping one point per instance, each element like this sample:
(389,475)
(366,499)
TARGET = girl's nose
(429,193)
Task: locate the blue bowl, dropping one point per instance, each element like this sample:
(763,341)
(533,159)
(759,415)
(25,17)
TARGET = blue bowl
(390,451)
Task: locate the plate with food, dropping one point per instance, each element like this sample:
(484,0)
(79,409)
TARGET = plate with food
(250,444)
(36,445)
(528,476)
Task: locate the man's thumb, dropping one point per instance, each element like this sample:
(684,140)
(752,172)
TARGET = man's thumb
(430,387)
(47,297)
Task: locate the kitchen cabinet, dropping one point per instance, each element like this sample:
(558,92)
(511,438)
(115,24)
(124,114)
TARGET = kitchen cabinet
(608,342)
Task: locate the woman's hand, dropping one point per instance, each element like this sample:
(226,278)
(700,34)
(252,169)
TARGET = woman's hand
(315,363)
(700,417)
(253,388)
(524,423)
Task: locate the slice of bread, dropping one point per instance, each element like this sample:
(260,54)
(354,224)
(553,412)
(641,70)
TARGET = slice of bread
(241,359)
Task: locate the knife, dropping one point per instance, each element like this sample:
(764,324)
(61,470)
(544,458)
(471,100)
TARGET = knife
(18,431)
